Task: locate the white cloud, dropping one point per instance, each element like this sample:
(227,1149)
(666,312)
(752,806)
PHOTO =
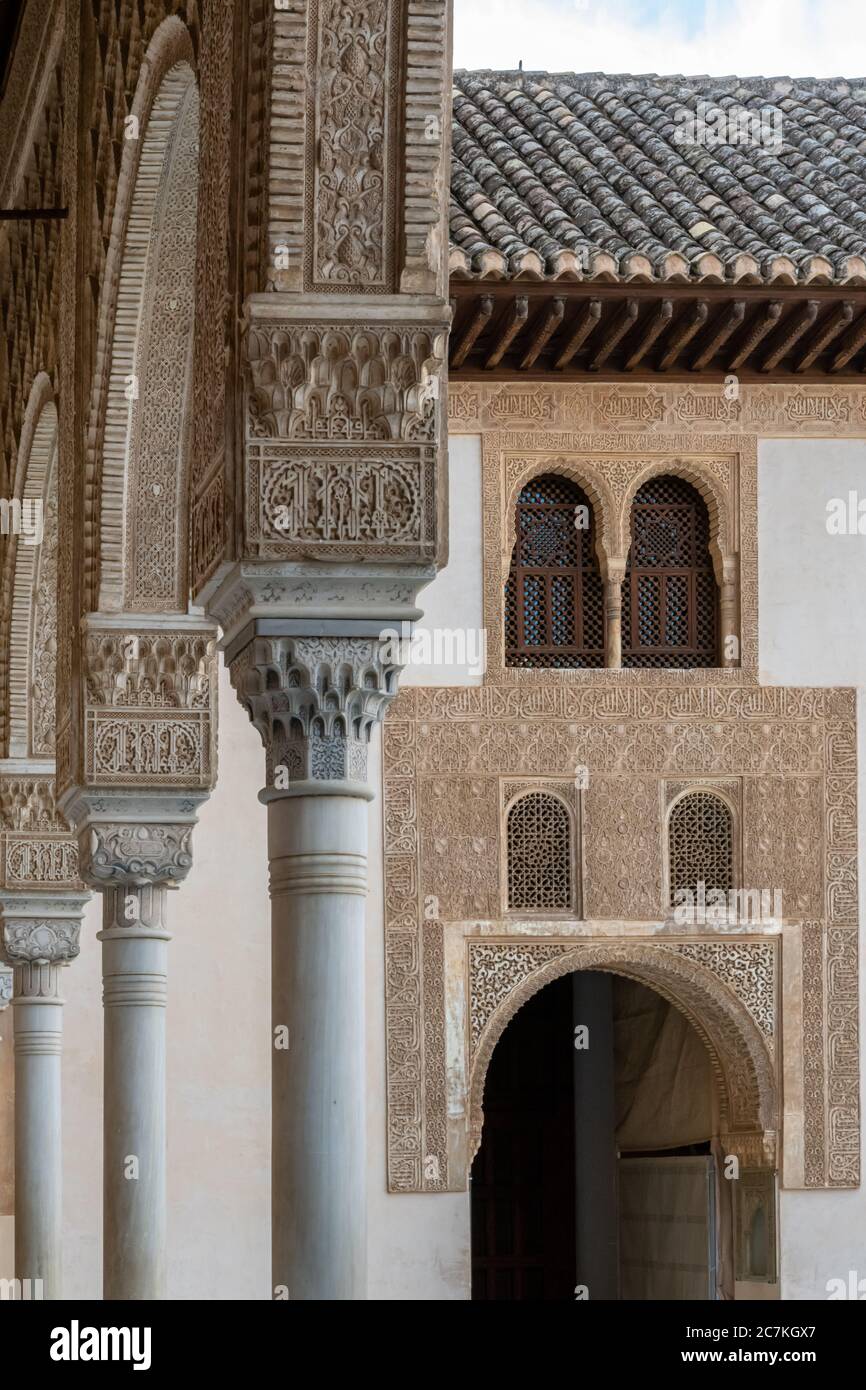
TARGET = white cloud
(772,38)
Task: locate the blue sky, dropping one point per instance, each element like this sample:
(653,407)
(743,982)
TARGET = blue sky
(773,38)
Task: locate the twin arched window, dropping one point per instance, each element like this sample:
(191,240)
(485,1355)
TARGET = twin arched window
(554,596)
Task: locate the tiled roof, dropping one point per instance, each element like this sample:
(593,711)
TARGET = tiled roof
(563,176)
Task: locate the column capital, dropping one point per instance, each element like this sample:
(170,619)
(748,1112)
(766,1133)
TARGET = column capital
(134,837)
(6,978)
(315,701)
(40,928)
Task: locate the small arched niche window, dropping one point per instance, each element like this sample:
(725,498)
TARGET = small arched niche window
(670,598)
(554,605)
(700,845)
(540,873)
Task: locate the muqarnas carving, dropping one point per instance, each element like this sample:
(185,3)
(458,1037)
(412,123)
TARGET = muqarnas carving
(149,715)
(312,392)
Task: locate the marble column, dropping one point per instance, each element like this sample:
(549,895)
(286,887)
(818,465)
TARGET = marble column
(316,702)
(40,934)
(730,633)
(613,582)
(132,863)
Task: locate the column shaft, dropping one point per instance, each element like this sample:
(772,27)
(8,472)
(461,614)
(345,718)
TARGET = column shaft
(38,1023)
(134,965)
(613,622)
(318,987)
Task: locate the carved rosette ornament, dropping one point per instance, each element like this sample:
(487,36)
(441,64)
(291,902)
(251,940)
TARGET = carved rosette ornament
(315,701)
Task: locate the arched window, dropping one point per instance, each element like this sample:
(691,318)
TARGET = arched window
(554,607)
(670,598)
(540,876)
(700,844)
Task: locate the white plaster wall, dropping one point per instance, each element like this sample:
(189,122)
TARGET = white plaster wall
(813,632)
(218,1057)
(453,602)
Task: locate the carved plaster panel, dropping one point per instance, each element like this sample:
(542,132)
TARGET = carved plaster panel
(150,706)
(448,752)
(343,430)
(770,410)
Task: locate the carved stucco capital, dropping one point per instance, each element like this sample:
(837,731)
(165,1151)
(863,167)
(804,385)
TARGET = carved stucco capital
(134,838)
(40,928)
(315,701)
(5,988)
(138,854)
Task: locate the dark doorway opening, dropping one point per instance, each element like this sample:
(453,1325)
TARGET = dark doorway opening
(567,1199)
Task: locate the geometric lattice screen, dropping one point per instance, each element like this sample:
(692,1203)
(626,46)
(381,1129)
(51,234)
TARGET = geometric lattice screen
(554,600)
(700,844)
(539,855)
(669,596)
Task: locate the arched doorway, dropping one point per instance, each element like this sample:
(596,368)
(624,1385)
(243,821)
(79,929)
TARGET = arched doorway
(600,1173)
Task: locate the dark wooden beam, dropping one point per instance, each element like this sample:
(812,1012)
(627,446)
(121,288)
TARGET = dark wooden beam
(655,325)
(789,333)
(544,332)
(585,322)
(727,322)
(756,331)
(681,335)
(618,323)
(832,326)
(850,344)
(479,320)
(511,326)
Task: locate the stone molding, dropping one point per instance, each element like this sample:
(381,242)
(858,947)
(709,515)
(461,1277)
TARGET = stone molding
(345,436)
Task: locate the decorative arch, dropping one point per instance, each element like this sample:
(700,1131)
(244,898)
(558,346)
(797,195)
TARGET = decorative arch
(30,588)
(591,482)
(741,1062)
(711,489)
(136,496)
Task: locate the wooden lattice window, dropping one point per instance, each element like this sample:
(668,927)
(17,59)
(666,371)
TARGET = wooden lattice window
(554,599)
(670,598)
(540,875)
(700,844)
